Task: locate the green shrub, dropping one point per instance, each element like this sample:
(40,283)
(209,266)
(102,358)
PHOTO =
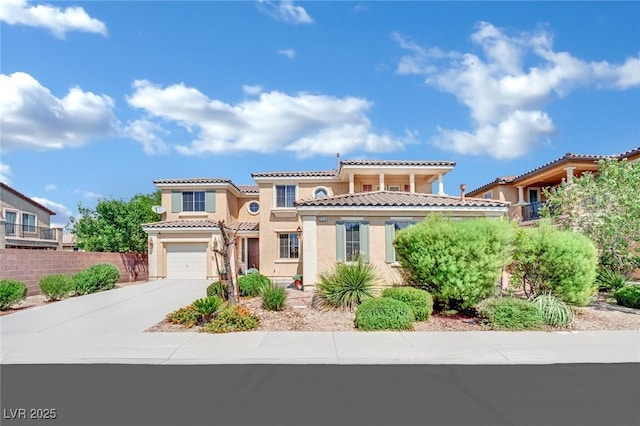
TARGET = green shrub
(232,318)
(609,280)
(99,277)
(561,262)
(187,316)
(274,297)
(219,289)
(508,313)
(56,286)
(346,286)
(554,311)
(628,296)
(458,262)
(420,301)
(207,307)
(250,285)
(384,314)
(11,292)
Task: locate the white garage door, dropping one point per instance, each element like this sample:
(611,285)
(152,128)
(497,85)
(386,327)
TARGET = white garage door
(187,261)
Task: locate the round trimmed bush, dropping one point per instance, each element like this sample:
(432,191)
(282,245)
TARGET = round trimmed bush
(628,296)
(508,313)
(57,286)
(384,313)
(219,289)
(250,285)
(11,292)
(420,301)
(99,277)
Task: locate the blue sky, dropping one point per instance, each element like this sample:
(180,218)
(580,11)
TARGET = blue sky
(98,99)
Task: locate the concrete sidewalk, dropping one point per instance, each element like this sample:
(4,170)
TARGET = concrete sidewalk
(109,328)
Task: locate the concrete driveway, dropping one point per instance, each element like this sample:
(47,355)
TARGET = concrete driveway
(108,327)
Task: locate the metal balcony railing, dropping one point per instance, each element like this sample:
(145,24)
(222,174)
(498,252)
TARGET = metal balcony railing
(532,211)
(28,231)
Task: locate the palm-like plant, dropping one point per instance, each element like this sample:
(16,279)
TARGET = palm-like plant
(347,285)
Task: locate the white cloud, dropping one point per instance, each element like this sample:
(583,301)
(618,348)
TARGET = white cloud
(303,123)
(58,21)
(87,194)
(506,97)
(50,187)
(62,212)
(5,172)
(32,117)
(285,11)
(252,90)
(146,132)
(289,53)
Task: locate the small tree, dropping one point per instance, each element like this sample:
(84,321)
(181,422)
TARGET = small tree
(605,208)
(228,240)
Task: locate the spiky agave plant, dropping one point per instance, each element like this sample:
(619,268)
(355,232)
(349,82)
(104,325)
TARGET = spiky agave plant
(347,285)
(554,311)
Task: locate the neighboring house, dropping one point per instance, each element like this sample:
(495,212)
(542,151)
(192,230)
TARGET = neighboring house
(525,191)
(302,222)
(24,223)
(69,243)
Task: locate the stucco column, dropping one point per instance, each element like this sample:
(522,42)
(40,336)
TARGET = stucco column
(412,183)
(351,184)
(569,171)
(440,185)
(2,234)
(59,233)
(381,184)
(309,252)
(520,195)
(154,251)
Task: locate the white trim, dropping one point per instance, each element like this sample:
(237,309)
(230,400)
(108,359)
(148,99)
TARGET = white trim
(193,214)
(288,260)
(352,218)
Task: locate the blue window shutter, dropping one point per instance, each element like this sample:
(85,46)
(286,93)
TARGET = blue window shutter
(364,241)
(389,235)
(176,201)
(210,201)
(340,242)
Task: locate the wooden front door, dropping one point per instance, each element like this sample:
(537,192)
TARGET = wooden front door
(253,253)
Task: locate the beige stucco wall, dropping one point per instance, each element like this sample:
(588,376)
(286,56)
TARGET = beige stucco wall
(158,255)
(243,214)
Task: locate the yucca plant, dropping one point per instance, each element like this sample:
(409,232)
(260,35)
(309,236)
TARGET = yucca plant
(554,311)
(611,280)
(273,297)
(207,307)
(346,286)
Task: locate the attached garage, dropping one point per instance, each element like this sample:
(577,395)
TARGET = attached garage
(187,260)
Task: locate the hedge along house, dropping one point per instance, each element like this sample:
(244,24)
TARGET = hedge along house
(525,192)
(303,222)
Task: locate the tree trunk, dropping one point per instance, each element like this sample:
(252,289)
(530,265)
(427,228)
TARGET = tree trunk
(228,241)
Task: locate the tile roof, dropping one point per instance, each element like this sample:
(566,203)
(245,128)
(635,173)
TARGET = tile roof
(630,153)
(398,199)
(565,158)
(500,180)
(249,189)
(246,226)
(396,163)
(311,173)
(191,180)
(184,223)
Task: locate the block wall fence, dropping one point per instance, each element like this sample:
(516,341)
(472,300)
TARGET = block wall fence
(29,265)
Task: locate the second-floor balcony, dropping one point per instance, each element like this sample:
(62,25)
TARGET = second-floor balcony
(14,230)
(532,211)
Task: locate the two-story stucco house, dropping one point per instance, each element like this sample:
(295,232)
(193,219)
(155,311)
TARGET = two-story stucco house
(525,191)
(302,222)
(25,223)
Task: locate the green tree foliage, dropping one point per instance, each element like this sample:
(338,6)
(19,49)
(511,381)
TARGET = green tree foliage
(564,263)
(605,208)
(115,225)
(458,262)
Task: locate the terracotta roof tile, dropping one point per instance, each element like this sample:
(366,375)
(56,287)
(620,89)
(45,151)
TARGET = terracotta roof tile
(191,180)
(401,163)
(184,223)
(630,153)
(246,226)
(310,173)
(398,199)
(500,180)
(249,189)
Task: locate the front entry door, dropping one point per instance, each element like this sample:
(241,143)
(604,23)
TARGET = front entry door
(253,253)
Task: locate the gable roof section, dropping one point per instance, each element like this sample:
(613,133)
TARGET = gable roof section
(249,189)
(15,192)
(310,173)
(500,180)
(629,153)
(191,181)
(399,199)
